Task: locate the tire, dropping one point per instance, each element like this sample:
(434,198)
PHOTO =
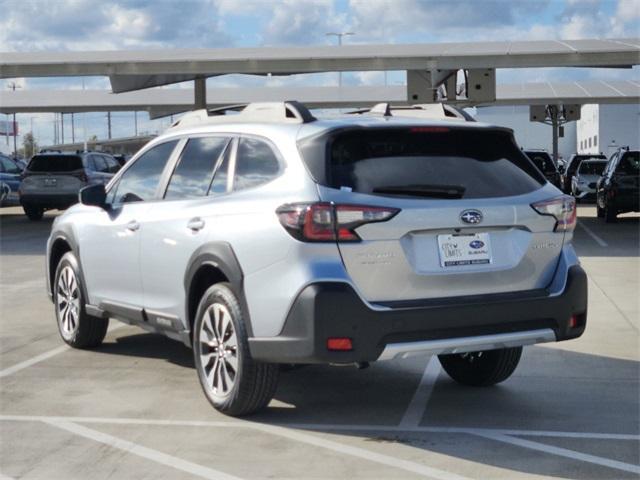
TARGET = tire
(76,327)
(599,211)
(33,213)
(481,369)
(610,214)
(233,382)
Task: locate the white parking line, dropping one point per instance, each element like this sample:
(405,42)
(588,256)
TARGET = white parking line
(562,452)
(415,410)
(144,452)
(4,477)
(44,356)
(407,465)
(324,427)
(592,234)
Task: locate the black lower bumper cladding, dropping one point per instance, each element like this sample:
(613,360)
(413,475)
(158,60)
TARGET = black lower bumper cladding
(330,310)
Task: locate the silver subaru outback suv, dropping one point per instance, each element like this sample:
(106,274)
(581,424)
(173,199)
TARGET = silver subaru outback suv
(270,237)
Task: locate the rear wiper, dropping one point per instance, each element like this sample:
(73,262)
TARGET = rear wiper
(431,191)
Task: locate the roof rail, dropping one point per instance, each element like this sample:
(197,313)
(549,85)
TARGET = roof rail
(425,110)
(273,112)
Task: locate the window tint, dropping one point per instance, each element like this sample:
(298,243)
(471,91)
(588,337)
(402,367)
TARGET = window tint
(8,166)
(543,161)
(55,163)
(592,168)
(192,176)
(139,182)
(219,184)
(112,165)
(256,163)
(99,163)
(436,162)
(630,163)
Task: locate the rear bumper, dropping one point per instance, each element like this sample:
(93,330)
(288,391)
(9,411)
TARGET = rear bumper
(325,310)
(49,200)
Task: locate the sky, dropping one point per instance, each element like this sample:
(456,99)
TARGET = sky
(59,25)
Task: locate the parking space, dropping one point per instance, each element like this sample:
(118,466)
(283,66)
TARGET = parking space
(133,408)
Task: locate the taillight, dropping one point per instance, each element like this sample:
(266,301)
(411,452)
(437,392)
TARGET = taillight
(563,209)
(327,222)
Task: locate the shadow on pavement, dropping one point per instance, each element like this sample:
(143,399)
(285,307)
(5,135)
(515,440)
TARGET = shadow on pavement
(552,389)
(21,236)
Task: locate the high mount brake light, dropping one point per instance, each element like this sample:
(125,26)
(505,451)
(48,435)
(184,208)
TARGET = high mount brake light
(327,222)
(429,130)
(563,209)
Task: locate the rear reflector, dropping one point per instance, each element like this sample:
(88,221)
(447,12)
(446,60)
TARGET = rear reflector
(562,208)
(340,344)
(573,321)
(327,222)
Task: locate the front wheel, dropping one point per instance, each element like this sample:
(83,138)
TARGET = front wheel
(77,328)
(232,381)
(481,369)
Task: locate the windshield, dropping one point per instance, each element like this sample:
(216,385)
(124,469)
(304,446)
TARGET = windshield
(55,163)
(543,161)
(437,162)
(592,168)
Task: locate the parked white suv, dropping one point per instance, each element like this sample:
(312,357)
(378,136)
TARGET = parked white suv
(271,237)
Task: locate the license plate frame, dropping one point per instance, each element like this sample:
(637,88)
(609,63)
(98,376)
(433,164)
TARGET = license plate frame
(468,249)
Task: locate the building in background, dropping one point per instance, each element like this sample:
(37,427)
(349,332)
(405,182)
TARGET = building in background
(529,135)
(605,128)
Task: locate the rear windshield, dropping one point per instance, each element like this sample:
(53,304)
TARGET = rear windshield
(575,161)
(592,168)
(55,163)
(437,162)
(543,161)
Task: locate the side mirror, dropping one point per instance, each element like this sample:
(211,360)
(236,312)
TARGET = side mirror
(94,195)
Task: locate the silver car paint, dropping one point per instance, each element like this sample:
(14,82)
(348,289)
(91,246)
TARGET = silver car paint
(146,267)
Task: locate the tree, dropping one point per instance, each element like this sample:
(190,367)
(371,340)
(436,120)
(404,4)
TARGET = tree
(29,146)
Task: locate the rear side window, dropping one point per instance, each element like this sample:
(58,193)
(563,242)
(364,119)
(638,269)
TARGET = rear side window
(194,172)
(256,164)
(436,162)
(55,163)
(7,166)
(630,163)
(140,181)
(99,163)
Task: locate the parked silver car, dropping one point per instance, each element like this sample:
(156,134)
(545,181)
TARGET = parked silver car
(584,182)
(271,237)
(53,179)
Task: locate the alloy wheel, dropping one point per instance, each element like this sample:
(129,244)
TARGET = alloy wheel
(218,350)
(68,301)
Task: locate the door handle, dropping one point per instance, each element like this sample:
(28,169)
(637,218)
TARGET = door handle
(133,225)
(195,224)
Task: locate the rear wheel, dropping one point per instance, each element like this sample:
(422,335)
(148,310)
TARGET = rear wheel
(599,211)
(610,213)
(77,328)
(33,213)
(232,381)
(481,369)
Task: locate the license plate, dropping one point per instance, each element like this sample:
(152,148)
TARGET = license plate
(459,250)
(50,182)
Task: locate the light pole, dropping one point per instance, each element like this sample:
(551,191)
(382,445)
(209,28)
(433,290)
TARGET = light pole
(339,36)
(13,87)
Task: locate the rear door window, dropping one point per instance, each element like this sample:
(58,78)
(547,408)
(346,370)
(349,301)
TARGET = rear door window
(256,164)
(140,181)
(592,168)
(194,172)
(99,163)
(7,166)
(436,162)
(55,163)
(630,163)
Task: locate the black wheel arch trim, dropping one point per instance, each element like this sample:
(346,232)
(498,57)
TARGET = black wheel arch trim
(221,256)
(69,239)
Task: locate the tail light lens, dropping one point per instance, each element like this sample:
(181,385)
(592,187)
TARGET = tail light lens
(327,222)
(563,209)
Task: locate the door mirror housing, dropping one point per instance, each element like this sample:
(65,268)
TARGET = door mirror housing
(94,195)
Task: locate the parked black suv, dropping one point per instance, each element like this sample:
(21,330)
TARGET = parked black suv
(545,164)
(618,190)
